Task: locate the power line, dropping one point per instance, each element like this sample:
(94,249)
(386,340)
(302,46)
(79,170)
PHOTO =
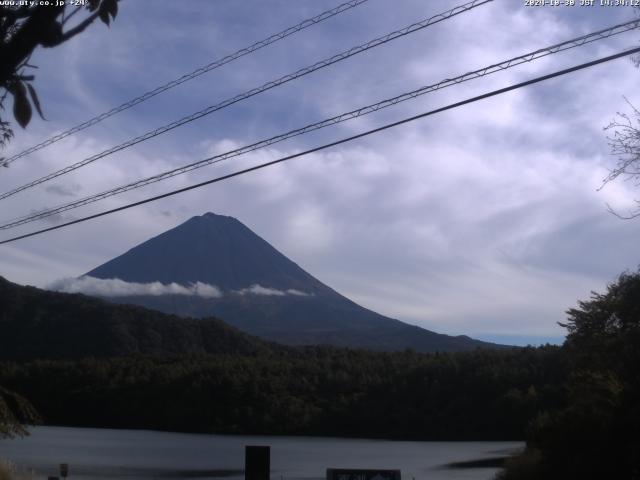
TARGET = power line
(255,91)
(528,57)
(333,144)
(189,76)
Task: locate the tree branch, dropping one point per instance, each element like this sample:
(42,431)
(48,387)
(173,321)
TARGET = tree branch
(31,33)
(81,27)
(68,17)
(631,215)
(16,13)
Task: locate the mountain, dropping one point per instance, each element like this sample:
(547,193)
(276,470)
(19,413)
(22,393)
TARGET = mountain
(37,323)
(261,291)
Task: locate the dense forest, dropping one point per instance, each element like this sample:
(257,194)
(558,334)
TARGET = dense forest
(37,323)
(311,391)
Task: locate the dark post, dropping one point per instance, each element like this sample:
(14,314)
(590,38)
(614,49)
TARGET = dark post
(257,462)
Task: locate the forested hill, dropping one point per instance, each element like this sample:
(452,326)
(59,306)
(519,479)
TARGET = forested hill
(36,323)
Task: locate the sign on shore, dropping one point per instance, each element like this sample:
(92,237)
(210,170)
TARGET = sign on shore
(360,474)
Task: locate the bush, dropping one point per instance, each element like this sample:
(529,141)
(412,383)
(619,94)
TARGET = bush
(10,471)
(526,466)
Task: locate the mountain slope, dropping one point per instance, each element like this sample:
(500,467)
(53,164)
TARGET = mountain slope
(264,293)
(37,323)
(212,249)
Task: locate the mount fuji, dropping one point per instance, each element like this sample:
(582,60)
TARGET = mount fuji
(213,265)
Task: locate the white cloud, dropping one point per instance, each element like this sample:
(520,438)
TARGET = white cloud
(114,287)
(257,289)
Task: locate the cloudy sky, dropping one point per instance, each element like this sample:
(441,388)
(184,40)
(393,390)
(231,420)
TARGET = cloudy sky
(486,220)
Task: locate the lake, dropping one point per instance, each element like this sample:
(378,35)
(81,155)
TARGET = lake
(138,454)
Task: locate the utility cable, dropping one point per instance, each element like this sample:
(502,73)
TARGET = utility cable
(325,123)
(189,76)
(333,144)
(255,91)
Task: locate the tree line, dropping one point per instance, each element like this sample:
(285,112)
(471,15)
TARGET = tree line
(480,395)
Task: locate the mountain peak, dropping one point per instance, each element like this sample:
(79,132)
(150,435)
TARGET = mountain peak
(215,249)
(210,217)
(215,216)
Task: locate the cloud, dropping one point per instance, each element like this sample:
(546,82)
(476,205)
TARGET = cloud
(64,190)
(257,289)
(114,287)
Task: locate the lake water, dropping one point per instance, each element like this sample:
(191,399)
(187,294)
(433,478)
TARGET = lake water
(138,454)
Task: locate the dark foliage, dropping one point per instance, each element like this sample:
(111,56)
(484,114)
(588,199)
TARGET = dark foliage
(15,412)
(39,324)
(310,391)
(595,435)
(23,28)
